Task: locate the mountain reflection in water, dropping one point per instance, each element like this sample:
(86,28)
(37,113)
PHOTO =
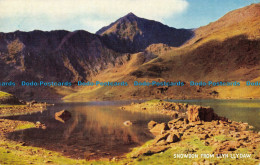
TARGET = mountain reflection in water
(93,130)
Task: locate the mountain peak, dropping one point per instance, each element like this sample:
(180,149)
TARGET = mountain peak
(130,15)
(133,34)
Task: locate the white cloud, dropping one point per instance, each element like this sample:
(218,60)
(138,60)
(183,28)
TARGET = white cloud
(90,13)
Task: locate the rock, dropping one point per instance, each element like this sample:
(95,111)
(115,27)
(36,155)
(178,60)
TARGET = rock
(186,121)
(203,136)
(243,126)
(175,121)
(172,138)
(44,126)
(38,124)
(161,137)
(151,124)
(161,143)
(175,115)
(198,113)
(128,123)
(251,127)
(63,116)
(150,151)
(159,128)
(177,108)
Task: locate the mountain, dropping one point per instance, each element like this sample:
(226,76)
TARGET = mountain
(243,21)
(52,56)
(55,55)
(133,34)
(225,50)
(136,49)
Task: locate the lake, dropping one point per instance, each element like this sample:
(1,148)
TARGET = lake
(97,129)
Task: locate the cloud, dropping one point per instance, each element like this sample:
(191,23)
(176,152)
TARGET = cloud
(89,13)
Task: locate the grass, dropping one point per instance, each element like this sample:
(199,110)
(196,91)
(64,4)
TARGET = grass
(222,138)
(10,106)
(154,101)
(189,146)
(25,126)
(4,95)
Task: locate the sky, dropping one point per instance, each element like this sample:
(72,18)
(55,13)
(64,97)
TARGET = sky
(91,15)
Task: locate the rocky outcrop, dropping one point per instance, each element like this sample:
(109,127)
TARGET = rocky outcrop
(223,136)
(198,113)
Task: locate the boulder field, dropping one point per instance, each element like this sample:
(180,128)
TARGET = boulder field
(192,121)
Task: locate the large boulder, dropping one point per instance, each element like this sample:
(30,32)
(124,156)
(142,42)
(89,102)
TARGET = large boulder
(199,113)
(127,123)
(63,116)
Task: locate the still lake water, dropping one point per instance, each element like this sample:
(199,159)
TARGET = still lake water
(97,127)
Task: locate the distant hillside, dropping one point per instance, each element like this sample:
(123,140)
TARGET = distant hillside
(244,21)
(133,34)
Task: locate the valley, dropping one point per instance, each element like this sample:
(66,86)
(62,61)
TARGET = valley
(135,92)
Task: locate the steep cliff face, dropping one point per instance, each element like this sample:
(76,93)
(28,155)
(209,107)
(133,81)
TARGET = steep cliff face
(55,55)
(133,34)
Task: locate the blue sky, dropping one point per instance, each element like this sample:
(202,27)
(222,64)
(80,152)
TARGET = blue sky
(91,15)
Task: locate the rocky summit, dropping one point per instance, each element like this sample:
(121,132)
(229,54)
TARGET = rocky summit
(133,34)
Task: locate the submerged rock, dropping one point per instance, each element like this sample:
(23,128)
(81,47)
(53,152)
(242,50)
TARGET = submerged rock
(128,123)
(38,124)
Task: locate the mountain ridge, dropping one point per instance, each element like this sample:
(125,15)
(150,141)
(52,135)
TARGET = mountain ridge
(219,53)
(82,56)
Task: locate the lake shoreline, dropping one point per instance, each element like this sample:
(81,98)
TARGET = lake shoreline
(151,147)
